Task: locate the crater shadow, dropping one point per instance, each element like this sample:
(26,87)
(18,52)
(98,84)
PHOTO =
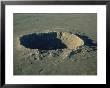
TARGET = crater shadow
(87,40)
(42,41)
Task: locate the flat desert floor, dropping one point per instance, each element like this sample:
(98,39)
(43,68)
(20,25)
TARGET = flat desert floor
(33,61)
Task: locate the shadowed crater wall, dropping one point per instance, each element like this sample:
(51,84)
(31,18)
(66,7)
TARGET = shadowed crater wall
(42,41)
(87,41)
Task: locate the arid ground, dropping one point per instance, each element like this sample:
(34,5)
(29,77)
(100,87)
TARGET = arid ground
(55,43)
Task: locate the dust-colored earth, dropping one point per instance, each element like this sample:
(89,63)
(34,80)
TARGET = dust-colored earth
(55,44)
